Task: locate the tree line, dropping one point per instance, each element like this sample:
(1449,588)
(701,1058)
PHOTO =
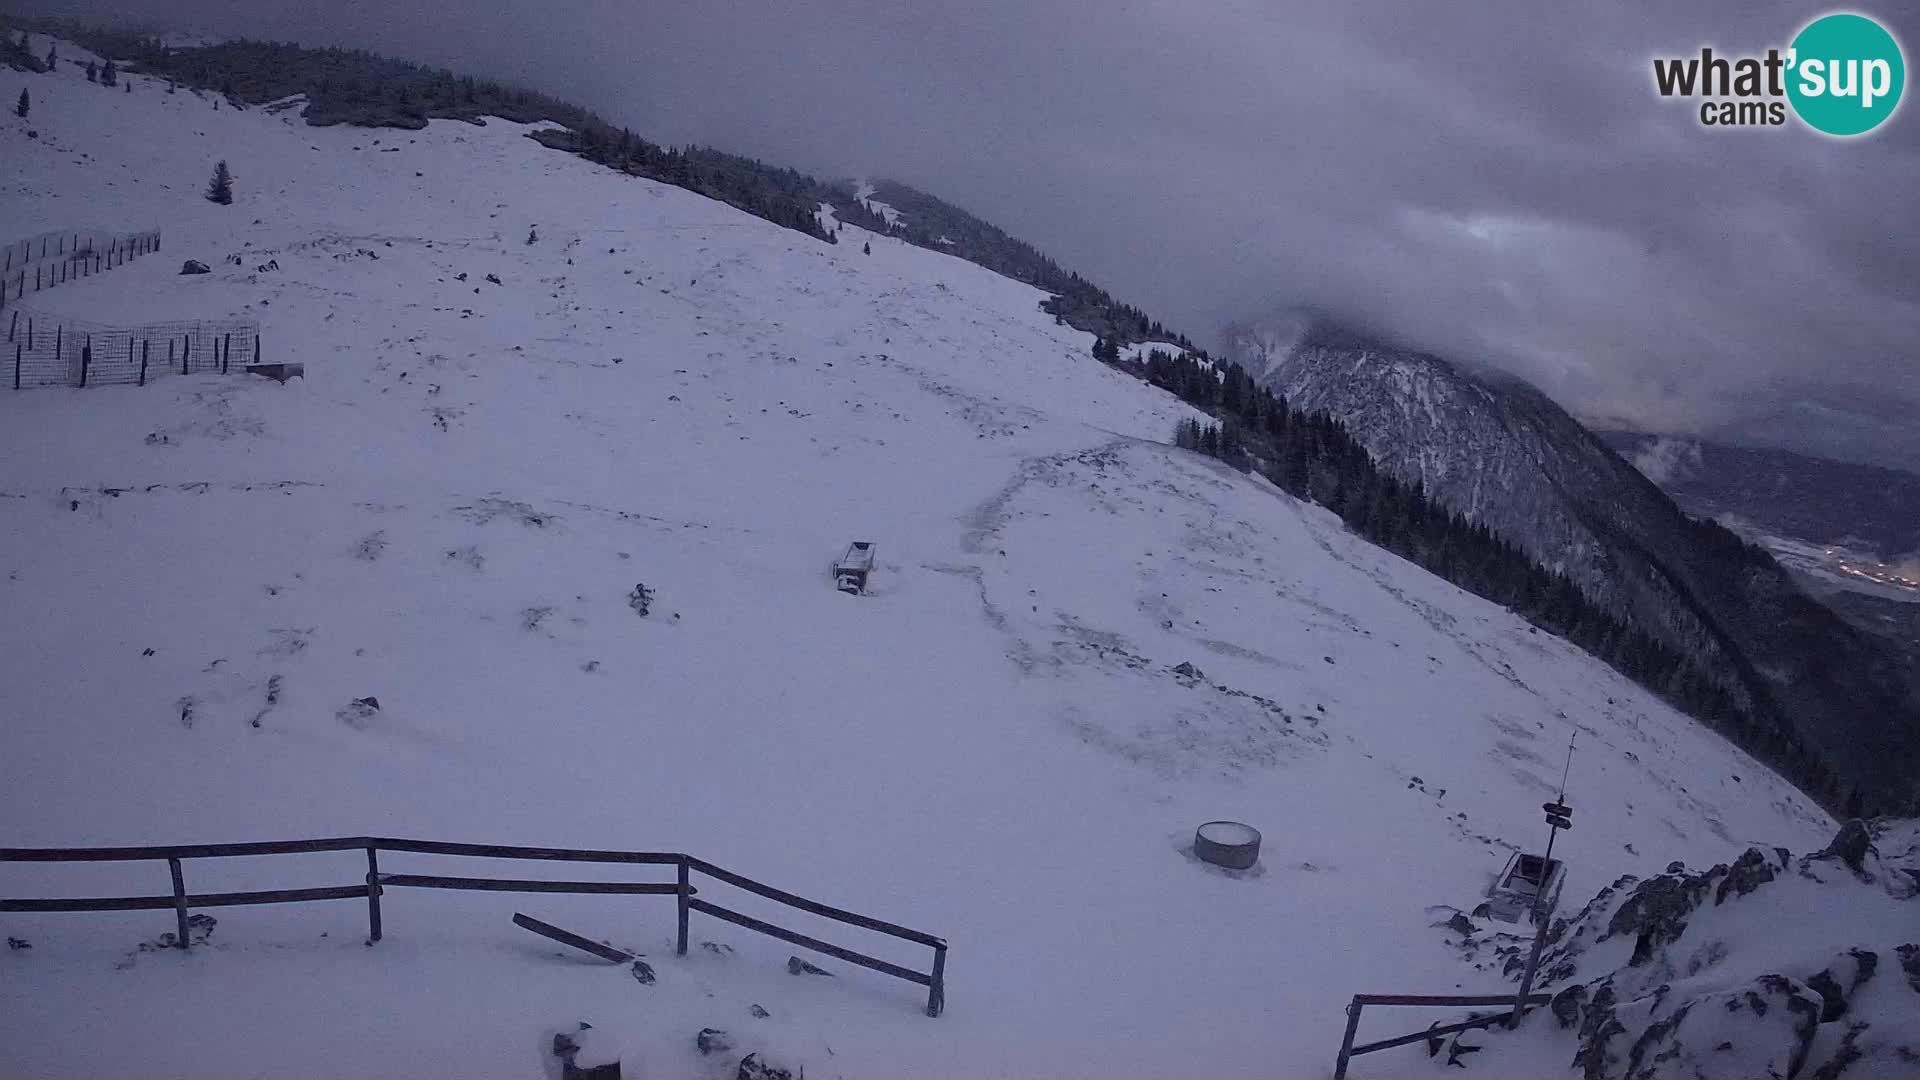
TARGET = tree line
(1313,457)
(364,89)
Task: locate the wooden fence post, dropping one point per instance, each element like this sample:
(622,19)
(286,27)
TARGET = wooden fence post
(256,350)
(179,900)
(144,345)
(16,365)
(373,895)
(685,892)
(183,369)
(86,359)
(14,325)
(1346,1044)
(937,990)
(226,351)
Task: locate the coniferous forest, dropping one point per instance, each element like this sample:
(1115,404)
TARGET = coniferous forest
(1312,457)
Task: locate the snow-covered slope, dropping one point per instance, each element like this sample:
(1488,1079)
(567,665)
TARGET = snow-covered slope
(1503,454)
(450,512)
(1721,972)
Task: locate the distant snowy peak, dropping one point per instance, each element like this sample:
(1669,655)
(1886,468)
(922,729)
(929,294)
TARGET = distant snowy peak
(1260,346)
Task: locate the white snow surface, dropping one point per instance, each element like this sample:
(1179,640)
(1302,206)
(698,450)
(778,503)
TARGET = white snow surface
(863,191)
(449,512)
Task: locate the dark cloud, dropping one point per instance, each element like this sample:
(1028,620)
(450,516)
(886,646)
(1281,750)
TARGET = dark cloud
(1496,181)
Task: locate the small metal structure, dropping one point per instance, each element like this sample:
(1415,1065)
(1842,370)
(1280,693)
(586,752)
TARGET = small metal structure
(1528,888)
(1227,843)
(1530,885)
(851,572)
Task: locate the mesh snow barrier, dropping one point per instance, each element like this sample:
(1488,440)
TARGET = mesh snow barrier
(41,351)
(40,262)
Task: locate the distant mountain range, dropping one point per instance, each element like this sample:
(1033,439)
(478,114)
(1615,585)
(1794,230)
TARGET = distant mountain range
(1503,454)
(1785,493)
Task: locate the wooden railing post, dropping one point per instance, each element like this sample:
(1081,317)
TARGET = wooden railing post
(937,989)
(179,900)
(685,892)
(373,894)
(1346,1044)
(143,358)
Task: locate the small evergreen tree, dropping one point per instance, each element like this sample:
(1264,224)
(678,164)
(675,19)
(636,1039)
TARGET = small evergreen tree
(53,56)
(25,103)
(866,249)
(221,189)
(93,73)
(109,75)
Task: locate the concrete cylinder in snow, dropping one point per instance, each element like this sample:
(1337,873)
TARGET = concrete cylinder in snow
(1227,843)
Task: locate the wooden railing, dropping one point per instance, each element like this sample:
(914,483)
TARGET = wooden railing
(1349,1051)
(376,884)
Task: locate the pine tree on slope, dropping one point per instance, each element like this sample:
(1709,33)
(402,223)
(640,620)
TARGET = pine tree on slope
(221,189)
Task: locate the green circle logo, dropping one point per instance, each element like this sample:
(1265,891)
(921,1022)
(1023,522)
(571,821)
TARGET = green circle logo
(1846,73)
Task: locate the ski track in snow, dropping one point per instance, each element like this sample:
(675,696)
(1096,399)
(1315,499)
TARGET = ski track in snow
(450,512)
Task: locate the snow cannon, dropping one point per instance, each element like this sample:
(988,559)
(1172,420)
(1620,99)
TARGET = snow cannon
(1228,844)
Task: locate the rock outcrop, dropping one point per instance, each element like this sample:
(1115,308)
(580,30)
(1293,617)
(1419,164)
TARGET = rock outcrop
(1765,967)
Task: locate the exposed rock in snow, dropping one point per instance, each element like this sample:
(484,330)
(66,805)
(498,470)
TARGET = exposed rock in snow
(1762,968)
(713,1041)
(754,1067)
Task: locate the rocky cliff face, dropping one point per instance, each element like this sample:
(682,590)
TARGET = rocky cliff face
(1770,966)
(1505,455)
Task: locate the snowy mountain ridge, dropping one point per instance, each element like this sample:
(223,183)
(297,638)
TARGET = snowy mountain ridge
(1500,452)
(210,576)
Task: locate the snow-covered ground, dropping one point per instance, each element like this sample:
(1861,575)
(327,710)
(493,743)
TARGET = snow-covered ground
(863,191)
(449,514)
(1140,351)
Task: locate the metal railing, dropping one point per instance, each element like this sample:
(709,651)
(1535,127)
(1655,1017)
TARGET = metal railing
(376,884)
(1349,1051)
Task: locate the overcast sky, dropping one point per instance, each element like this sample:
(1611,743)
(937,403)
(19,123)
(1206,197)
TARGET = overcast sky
(1495,181)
